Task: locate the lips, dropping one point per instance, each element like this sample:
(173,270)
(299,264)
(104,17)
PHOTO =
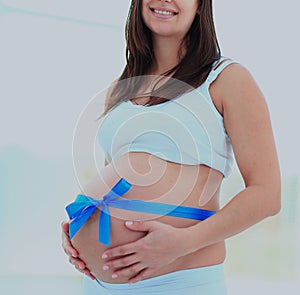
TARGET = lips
(163,11)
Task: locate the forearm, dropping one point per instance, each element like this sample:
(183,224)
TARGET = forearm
(247,208)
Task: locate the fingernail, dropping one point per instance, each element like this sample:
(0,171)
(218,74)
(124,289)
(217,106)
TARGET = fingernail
(129,222)
(105,267)
(74,255)
(114,276)
(81,267)
(104,256)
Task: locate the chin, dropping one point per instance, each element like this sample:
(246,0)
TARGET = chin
(164,32)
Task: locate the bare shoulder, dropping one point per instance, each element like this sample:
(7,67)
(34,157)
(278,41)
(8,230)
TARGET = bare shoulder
(233,79)
(236,84)
(240,98)
(233,72)
(240,94)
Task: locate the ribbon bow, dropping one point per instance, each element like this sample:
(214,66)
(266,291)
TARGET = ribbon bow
(83,207)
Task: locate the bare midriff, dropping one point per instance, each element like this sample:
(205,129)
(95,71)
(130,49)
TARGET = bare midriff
(156,180)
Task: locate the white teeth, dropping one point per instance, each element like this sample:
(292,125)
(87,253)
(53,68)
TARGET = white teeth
(163,12)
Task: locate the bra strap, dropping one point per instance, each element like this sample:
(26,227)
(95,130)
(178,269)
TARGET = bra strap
(218,68)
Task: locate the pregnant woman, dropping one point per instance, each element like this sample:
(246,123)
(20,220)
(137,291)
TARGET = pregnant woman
(173,123)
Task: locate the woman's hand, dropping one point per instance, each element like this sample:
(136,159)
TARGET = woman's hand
(139,260)
(72,252)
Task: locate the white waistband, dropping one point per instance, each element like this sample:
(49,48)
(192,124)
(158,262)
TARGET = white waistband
(179,279)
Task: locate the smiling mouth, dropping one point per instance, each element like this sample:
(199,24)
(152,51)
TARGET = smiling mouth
(163,11)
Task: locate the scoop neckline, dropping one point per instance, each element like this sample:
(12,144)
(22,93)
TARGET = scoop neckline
(157,105)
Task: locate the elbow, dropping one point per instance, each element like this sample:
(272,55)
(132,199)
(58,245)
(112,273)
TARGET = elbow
(275,203)
(275,210)
(275,195)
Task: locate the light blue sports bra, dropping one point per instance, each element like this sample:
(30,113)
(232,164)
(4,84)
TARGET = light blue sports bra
(187,130)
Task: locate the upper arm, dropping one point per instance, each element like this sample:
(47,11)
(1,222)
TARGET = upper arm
(247,122)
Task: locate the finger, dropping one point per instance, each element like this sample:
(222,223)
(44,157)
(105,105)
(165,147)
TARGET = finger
(65,230)
(79,269)
(122,250)
(144,226)
(121,262)
(79,264)
(130,271)
(65,226)
(86,272)
(68,248)
(142,275)
(89,274)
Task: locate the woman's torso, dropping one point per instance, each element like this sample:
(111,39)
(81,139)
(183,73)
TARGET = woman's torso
(178,184)
(157,180)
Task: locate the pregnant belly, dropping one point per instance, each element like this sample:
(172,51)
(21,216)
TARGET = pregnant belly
(155,180)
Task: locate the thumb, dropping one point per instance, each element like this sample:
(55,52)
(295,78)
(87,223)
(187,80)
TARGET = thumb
(141,225)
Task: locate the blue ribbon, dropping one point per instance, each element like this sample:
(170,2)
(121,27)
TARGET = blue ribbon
(83,207)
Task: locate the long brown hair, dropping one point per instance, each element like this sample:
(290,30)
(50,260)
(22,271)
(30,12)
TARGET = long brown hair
(202,50)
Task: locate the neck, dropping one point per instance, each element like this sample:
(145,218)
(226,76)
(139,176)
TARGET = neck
(165,54)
